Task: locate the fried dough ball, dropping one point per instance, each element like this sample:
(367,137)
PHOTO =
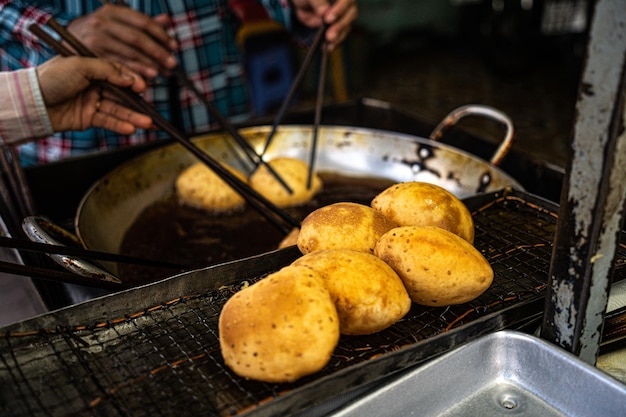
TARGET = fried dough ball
(343,226)
(291,239)
(281,328)
(295,173)
(368,294)
(424,204)
(437,267)
(200,187)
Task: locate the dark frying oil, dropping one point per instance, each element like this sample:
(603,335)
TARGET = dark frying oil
(170,232)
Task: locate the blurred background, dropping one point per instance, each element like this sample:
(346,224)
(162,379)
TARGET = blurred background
(428,57)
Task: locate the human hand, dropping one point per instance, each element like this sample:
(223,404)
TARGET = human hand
(75,103)
(125,35)
(338,16)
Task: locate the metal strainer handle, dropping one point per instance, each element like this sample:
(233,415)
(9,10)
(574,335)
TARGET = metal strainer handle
(39,229)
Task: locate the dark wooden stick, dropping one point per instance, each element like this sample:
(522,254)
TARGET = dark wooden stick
(279,218)
(58,47)
(318,116)
(22,199)
(80,48)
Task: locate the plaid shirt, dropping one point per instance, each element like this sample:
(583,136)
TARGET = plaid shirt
(205,30)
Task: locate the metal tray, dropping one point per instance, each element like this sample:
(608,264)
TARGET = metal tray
(154,351)
(506,373)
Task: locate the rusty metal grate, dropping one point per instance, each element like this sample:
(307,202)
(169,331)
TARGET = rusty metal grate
(164,360)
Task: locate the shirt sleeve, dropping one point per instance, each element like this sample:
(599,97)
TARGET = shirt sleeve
(23,113)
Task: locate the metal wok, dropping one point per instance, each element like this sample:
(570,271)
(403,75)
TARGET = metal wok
(113,204)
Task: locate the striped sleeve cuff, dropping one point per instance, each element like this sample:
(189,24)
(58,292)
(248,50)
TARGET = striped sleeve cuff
(23,112)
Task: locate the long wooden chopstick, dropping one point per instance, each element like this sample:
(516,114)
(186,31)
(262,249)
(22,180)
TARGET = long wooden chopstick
(278,217)
(78,46)
(255,158)
(319,101)
(22,200)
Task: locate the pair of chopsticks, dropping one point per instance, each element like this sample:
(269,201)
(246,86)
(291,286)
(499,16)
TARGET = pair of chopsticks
(318,43)
(248,150)
(227,126)
(14,190)
(281,219)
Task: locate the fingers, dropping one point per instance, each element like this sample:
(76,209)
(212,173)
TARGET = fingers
(155,27)
(75,102)
(94,69)
(127,36)
(316,9)
(134,44)
(114,116)
(339,18)
(124,77)
(306,13)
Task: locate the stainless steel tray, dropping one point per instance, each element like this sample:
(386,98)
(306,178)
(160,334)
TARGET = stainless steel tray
(506,373)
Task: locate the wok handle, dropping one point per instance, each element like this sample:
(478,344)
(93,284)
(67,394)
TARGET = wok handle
(38,229)
(479,110)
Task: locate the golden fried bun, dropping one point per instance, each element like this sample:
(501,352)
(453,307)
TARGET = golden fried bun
(437,267)
(281,328)
(423,204)
(368,294)
(295,173)
(343,226)
(291,239)
(200,187)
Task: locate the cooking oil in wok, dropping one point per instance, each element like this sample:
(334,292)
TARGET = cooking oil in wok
(170,232)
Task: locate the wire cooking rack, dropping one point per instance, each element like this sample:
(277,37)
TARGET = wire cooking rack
(163,359)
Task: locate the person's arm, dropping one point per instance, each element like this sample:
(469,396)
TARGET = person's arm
(60,95)
(22,110)
(111,31)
